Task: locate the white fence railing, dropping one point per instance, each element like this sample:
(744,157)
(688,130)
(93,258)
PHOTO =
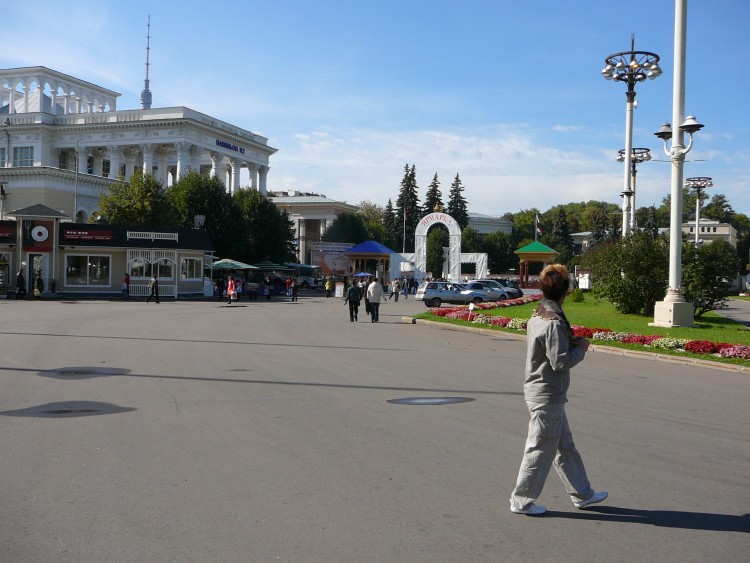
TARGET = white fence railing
(148,235)
(142,290)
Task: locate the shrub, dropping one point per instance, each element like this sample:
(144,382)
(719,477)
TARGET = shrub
(576,296)
(517,324)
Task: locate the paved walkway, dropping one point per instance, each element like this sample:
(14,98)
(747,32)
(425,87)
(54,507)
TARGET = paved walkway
(738,311)
(199,431)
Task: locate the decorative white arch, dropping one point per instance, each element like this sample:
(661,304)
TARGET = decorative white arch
(454,245)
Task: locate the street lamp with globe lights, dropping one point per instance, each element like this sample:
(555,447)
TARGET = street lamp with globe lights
(630,67)
(674,310)
(637,155)
(699,183)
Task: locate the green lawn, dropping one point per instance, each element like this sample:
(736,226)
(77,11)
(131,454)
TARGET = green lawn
(597,313)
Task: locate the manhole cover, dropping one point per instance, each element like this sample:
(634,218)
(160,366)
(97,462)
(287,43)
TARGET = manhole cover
(68,409)
(82,372)
(430,400)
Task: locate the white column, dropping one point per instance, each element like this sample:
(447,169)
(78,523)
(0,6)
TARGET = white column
(163,173)
(53,102)
(235,165)
(253,170)
(25,99)
(83,161)
(129,163)
(148,159)
(99,163)
(195,158)
(226,177)
(262,178)
(182,159)
(12,100)
(216,161)
(115,159)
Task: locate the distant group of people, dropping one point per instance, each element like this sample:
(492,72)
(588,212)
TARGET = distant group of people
(371,291)
(234,287)
(403,286)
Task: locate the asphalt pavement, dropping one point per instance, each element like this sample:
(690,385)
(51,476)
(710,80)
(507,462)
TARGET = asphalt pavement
(201,431)
(738,310)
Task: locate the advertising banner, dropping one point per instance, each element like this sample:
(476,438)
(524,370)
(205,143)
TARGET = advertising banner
(329,258)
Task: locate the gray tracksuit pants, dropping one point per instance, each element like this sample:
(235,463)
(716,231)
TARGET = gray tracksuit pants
(549,441)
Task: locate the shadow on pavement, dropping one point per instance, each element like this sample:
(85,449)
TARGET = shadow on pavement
(662,518)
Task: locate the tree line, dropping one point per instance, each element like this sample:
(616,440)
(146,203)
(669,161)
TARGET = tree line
(245,226)
(631,271)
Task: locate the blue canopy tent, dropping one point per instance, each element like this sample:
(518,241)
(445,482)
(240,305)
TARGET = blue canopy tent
(361,257)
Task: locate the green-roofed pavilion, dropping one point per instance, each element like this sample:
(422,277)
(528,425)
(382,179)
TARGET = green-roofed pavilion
(533,252)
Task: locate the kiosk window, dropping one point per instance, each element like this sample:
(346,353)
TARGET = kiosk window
(164,268)
(191,269)
(82,270)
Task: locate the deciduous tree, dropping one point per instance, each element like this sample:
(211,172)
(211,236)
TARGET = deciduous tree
(708,273)
(347,227)
(197,194)
(141,200)
(270,234)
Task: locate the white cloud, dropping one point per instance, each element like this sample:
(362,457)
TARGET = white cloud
(502,169)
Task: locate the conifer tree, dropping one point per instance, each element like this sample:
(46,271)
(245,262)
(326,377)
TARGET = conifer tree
(560,236)
(408,210)
(433,199)
(391,226)
(457,207)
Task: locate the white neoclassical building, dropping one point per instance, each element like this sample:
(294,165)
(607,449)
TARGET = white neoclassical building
(63,140)
(311,214)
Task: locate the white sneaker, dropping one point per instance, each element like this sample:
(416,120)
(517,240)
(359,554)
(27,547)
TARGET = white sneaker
(597,497)
(531,510)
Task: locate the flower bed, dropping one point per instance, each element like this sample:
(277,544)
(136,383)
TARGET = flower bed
(596,335)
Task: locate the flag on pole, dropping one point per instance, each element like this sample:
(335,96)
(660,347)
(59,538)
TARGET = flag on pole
(538,228)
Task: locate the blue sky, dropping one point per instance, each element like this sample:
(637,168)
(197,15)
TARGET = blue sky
(507,94)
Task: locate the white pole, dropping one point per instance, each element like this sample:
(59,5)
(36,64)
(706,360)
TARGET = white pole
(626,202)
(632,199)
(674,291)
(674,310)
(75,189)
(697,215)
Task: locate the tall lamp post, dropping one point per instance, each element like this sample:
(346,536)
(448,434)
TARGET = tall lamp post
(630,67)
(674,310)
(637,155)
(699,183)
